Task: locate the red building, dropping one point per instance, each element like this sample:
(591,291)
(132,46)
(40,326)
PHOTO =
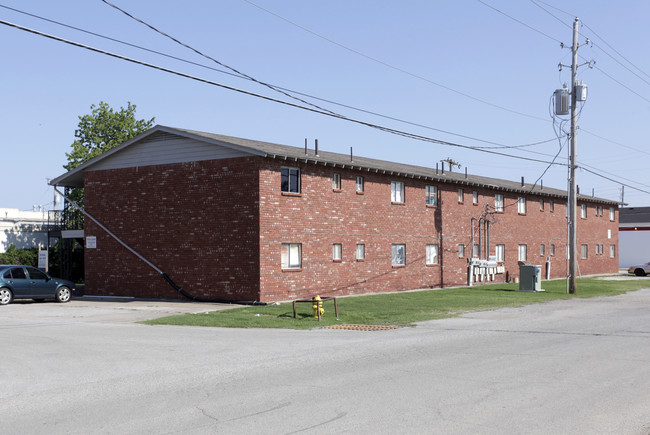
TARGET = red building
(244,220)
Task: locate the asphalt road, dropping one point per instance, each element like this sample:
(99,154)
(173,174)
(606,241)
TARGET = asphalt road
(567,367)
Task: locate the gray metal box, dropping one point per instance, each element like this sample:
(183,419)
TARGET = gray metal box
(530,278)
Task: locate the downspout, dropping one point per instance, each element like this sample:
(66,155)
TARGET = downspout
(150,264)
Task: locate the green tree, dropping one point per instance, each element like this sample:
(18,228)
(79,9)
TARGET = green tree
(102,130)
(28,257)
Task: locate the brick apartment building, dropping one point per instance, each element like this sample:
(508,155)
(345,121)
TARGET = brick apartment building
(244,220)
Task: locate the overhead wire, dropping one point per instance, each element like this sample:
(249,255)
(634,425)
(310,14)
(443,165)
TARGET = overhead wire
(497,145)
(396,68)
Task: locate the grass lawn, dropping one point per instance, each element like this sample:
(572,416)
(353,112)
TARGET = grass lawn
(400,309)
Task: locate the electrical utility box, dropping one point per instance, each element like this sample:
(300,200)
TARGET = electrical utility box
(562,103)
(530,278)
(581,91)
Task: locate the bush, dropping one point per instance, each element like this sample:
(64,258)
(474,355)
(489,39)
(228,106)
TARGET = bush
(28,257)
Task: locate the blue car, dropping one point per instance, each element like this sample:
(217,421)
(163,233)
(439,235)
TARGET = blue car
(26,282)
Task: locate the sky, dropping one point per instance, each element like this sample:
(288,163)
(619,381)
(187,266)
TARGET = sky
(471,73)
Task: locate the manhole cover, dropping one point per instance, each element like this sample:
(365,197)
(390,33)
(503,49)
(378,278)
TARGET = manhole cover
(362,327)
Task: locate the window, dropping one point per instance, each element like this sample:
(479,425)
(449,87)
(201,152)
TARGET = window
(583,211)
(396,191)
(361,252)
(609,234)
(612,251)
(498,202)
(359,184)
(336,252)
(290,180)
(475,197)
(432,254)
(500,252)
(597,209)
(475,252)
(521,205)
(542,249)
(611,213)
(551,206)
(36,274)
(552,249)
(336,181)
(291,255)
(461,195)
(432,195)
(17,273)
(461,250)
(399,254)
(541,205)
(523,253)
(584,251)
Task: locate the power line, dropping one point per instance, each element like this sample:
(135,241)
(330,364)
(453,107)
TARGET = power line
(386,64)
(347,106)
(518,21)
(311,109)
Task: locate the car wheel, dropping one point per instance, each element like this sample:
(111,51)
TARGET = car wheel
(5,296)
(639,272)
(63,294)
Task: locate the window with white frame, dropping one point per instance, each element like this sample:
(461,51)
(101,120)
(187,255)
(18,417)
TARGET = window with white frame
(541,204)
(521,205)
(551,206)
(361,251)
(583,211)
(432,195)
(475,197)
(461,250)
(542,249)
(584,251)
(611,213)
(398,254)
(396,191)
(290,180)
(432,254)
(291,255)
(609,234)
(461,195)
(552,249)
(336,251)
(522,253)
(336,181)
(498,202)
(475,250)
(500,252)
(360,184)
(612,251)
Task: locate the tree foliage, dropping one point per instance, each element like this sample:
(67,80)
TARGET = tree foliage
(102,130)
(13,255)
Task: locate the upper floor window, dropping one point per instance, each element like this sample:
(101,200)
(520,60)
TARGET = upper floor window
(541,204)
(475,197)
(336,181)
(290,180)
(336,251)
(611,213)
(498,202)
(396,191)
(359,184)
(583,211)
(432,195)
(361,251)
(461,195)
(551,205)
(521,205)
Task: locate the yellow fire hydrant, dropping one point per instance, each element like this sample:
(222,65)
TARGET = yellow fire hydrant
(318,306)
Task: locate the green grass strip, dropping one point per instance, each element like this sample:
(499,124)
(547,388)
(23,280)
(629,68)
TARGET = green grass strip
(402,309)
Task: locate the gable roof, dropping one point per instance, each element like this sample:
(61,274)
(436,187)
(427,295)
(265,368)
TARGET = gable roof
(240,146)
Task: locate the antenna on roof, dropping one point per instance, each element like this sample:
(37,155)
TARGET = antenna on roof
(351,155)
(305,146)
(316,141)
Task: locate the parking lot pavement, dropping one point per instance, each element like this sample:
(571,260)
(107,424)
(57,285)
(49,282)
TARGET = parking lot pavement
(93,309)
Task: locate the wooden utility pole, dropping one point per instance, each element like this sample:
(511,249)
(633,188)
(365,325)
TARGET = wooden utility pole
(572,165)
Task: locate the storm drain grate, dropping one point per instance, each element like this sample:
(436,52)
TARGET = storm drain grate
(353,327)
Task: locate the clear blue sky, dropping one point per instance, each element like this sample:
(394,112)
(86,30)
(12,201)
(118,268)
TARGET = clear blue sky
(441,64)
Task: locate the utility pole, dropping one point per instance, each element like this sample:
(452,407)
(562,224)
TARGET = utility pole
(572,165)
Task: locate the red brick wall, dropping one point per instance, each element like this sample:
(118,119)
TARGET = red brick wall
(198,222)
(320,217)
